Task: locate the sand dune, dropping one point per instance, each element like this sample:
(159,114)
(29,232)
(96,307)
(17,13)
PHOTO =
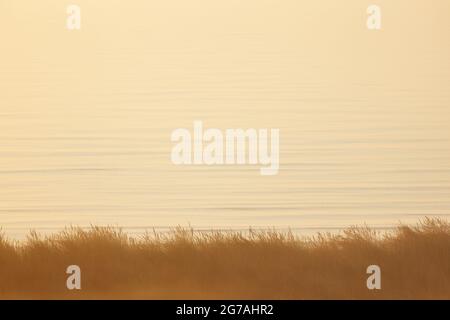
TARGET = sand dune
(414,262)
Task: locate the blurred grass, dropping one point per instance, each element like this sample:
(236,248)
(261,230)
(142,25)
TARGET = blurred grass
(183,264)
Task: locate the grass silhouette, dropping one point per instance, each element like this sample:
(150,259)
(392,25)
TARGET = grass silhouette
(183,264)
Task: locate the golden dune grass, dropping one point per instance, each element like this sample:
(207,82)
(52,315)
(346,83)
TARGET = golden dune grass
(415,264)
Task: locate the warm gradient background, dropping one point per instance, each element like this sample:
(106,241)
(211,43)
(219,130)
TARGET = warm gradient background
(86,117)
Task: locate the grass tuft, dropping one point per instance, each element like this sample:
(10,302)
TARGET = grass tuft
(184,264)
